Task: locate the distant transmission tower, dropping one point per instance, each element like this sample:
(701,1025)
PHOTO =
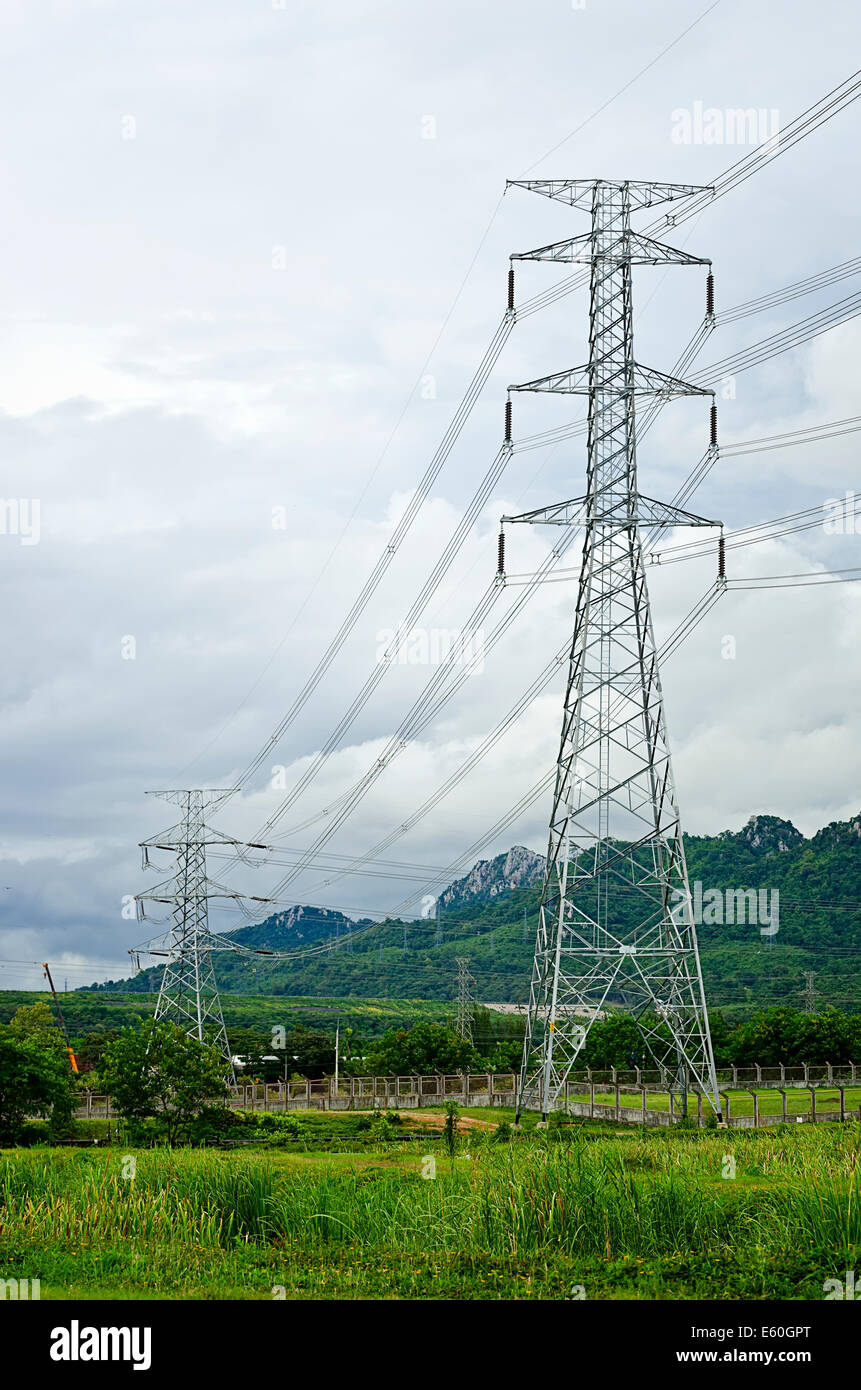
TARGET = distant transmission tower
(616,922)
(189,993)
(465,999)
(809,991)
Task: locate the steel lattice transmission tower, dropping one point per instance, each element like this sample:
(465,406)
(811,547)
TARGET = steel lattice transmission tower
(465,999)
(616,922)
(189,992)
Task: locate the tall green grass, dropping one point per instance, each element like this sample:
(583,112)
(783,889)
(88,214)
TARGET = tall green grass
(644,1197)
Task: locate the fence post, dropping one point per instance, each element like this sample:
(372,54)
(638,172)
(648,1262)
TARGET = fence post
(830,1072)
(699,1109)
(618,1102)
(591,1100)
(758,1071)
(812,1090)
(726,1106)
(782,1073)
(755,1107)
(783,1106)
(842,1102)
(806,1072)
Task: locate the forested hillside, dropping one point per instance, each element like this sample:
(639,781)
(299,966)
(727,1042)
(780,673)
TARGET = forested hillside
(810,890)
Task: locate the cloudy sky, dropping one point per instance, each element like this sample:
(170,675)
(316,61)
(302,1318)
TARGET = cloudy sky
(252,253)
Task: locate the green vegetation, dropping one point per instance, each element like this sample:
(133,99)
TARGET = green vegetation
(431,1048)
(819,926)
(157,1073)
(88,1013)
(35,1078)
(636,1215)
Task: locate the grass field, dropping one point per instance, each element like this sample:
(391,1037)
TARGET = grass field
(622,1214)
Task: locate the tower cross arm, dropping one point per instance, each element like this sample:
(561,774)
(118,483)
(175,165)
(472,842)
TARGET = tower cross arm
(631,247)
(623,380)
(579,192)
(645,511)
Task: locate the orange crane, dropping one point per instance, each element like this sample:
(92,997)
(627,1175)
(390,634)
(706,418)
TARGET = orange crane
(72,1058)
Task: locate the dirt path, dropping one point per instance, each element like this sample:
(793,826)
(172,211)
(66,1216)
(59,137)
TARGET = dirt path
(425,1118)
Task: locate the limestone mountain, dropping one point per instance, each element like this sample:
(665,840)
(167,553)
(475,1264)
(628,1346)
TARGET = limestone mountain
(492,878)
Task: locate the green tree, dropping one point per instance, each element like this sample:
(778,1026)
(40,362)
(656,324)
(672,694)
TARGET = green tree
(426,1047)
(90,1048)
(37,1021)
(615,1042)
(506,1056)
(310,1051)
(157,1072)
(35,1079)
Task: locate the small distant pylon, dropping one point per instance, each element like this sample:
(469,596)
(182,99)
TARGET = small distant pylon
(189,993)
(465,999)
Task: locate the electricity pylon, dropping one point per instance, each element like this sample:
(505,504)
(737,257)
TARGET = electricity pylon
(465,999)
(616,925)
(189,992)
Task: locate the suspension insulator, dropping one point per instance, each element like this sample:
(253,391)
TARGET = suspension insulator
(713,428)
(511,289)
(721,558)
(508,422)
(500,558)
(710,295)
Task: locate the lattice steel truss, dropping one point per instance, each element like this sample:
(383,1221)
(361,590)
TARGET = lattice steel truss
(465,999)
(615,922)
(189,993)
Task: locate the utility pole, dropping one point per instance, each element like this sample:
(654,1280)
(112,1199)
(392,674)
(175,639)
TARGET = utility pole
(615,925)
(189,993)
(465,999)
